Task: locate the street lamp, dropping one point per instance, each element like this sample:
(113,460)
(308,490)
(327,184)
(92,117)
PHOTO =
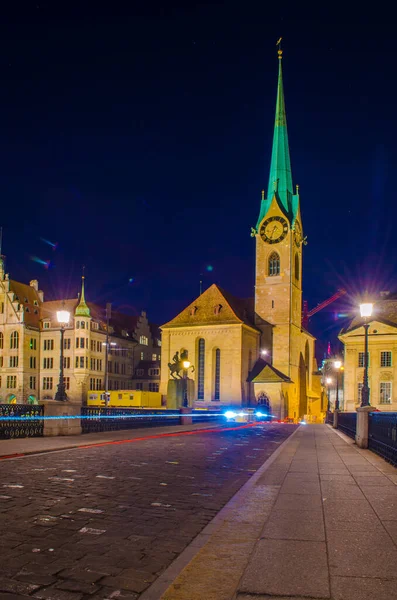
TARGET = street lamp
(366,312)
(328,381)
(337,365)
(186,366)
(264,352)
(63,317)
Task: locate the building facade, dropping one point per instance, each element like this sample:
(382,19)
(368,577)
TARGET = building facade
(382,350)
(30,338)
(256,351)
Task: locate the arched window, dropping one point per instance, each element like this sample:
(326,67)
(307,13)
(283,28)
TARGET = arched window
(77,324)
(217,387)
(201,362)
(82,325)
(1,340)
(14,340)
(296,267)
(274,264)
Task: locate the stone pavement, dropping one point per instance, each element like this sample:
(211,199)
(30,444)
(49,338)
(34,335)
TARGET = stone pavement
(318,520)
(50,444)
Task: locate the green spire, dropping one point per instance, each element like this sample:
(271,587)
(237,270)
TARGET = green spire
(82,309)
(280,178)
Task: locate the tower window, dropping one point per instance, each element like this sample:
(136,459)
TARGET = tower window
(274,264)
(200,382)
(296,267)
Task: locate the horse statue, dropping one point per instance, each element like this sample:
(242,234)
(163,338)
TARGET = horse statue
(177,365)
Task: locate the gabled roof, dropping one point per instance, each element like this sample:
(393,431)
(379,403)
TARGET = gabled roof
(215,306)
(385,311)
(264,372)
(24,291)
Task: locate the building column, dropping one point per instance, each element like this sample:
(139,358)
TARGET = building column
(362,426)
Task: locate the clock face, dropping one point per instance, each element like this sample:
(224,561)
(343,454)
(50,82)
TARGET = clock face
(274,230)
(298,233)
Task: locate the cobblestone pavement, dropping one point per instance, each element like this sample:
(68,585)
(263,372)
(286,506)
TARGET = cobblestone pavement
(106,522)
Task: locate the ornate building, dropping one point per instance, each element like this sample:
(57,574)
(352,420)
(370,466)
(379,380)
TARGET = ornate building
(382,350)
(256,350)
(30,346)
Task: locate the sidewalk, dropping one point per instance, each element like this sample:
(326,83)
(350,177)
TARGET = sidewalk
(318,520)
(23,446)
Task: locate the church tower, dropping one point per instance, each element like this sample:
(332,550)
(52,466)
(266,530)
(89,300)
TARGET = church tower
(279,240)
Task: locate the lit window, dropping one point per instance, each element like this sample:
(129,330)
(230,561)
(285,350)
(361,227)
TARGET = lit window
(14,340)
(143,340)
(201,363)
(274,264)
(385,392)
(11,381)
(47,383)
(217,386)
(154,356)
(32,344)
(385,359)
(142,355)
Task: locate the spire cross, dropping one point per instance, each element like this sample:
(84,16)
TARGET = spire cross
(279,52)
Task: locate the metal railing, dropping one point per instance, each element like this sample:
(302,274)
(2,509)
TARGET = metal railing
(114,419)
(347,422)
(382,435)
(329,417)
(21,420)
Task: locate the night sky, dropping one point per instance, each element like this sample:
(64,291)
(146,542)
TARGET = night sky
(140,140)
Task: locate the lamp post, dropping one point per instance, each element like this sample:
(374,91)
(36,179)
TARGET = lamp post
(328,381)
(186,366)
(63,317)
(337,365)
(366,312)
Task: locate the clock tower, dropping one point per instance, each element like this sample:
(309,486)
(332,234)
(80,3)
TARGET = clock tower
(279,241)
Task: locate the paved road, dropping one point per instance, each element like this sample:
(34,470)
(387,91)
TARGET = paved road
(105,522)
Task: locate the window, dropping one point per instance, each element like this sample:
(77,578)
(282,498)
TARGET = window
(80,343)
(32,344)
(143,340)
(217,374)
(1,307)
(66,344)
(110,367)
(82,325)
(139,386)
(154,372)
(11,381)
(116,368)
(14,340)
(142,355)
(92,383)
(201,357)
(98,347)
(139,372)
(385,392)
(153,387)
(1,361)
(217,309)
(1,340)
(122,368)
(274,264)
(80,362)
(94,325)
(154,356)
(48,344)
(66,362)
(47,383)
(296,267)
(32,362)
(46,325)
(361,359)
(385,359)
(48,363)
(66,381)
(32,383)
(99,384)
(13,361)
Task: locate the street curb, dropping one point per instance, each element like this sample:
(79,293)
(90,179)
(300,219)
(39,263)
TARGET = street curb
(160,586)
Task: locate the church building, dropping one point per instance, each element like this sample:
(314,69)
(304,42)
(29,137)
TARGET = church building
(249,352)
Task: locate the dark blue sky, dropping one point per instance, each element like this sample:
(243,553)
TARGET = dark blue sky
(140,141)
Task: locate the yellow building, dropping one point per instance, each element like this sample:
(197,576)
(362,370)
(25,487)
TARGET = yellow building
(30,346)
(382,350)
(256,351)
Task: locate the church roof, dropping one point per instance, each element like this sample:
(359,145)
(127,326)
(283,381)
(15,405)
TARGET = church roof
(29,298)
(215,306)
(264,372)
(385,311)
(280,176)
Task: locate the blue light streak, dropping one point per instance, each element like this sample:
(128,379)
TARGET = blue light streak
(99,416)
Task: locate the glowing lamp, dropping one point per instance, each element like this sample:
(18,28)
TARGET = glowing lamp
(337,364)
(366,309)
(63,317)
(186,364)
(328,380)
(264,352)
